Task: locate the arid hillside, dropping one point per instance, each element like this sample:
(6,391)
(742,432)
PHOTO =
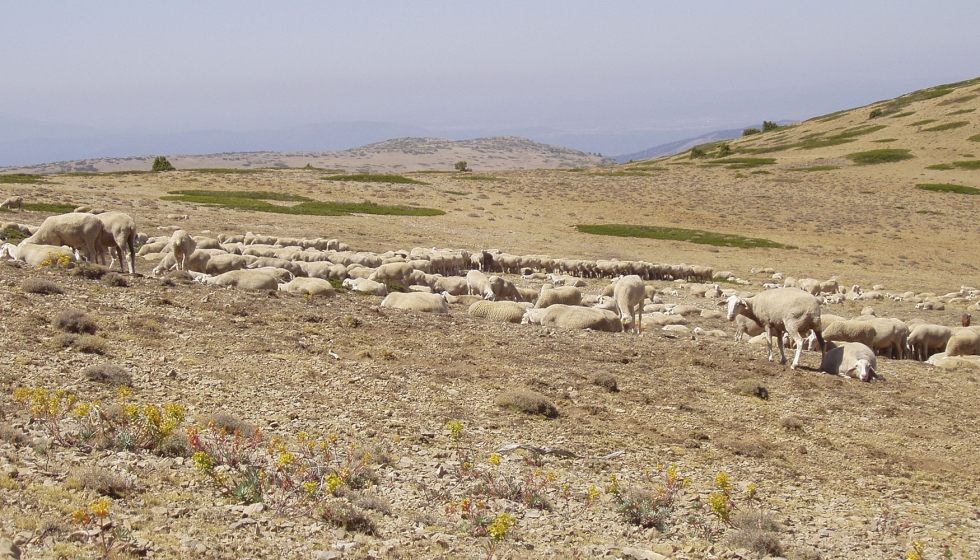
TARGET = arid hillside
(370,432)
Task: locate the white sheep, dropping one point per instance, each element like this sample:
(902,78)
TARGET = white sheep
(964,342)
(308,286)
(81,232)
(507,311)
(783,310)
(850,359)
(366,286)
(120,234)
(478,283)
(744,325)
(891,336)
(12,202)
(850,331)
(182,245)
(244,279)
(564,295)
(393,273)
(36,255)
(416,301)
(574,317)
(629,294)
(927,339)
(504,289)
(197,262)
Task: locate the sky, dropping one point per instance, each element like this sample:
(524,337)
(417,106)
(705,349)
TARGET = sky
(591,72)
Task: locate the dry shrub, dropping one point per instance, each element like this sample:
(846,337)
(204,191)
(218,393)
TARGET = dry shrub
(102,481)
(339,513)
(374,502)
(176,445)
(89,344)
(752,388)
(231,424)
(64,340)
(115,280)
(89,271)
(178,277)
(41,286)
(110,374)
(13,435)
(528,402)
(606,381)
(791,422)
(757,531)
(747,448)
(74,321)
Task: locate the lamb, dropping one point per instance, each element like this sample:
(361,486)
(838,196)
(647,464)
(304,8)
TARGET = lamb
(629,295)
(81,232)
(119,233)
(36,255)
(564,295)
(745,325)
(781,310)
(926,339)
(574,317)
(416,301)
(850,331)
(507,311)
(478,283)
(367,286)
(198,262)
(308,286)
(13,201)
(182,245)
(850,359)
(964,342)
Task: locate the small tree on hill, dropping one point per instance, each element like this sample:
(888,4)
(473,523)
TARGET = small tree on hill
(461,166)
(750,131)
(697,152)
(769,125)
(724,149)
(160,163)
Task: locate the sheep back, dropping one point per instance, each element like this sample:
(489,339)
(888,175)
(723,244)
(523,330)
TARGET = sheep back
(507,311)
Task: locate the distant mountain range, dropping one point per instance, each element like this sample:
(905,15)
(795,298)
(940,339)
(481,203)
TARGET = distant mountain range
(679,146)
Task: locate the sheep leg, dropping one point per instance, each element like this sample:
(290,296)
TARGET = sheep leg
(769,343)
(782,353)
(799,350)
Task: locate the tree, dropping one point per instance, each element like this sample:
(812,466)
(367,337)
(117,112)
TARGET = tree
(769,125)
(697,151)
(750,131)
(160,163)
(461,166)
(724,149)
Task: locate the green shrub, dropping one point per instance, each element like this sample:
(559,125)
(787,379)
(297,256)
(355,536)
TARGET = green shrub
(946,187)
(160,163)
(875,113)
(946,126)
(460,166)
(751,131)
(697,152)
(769,126)
(873,157)
(724,149)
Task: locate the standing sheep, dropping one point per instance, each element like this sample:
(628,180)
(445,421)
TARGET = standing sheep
(13,201)
(783,310)
(850,359)
(926,339)
(629,294)
(120,234)
(850,331)
(478,284)
(182,245)
(81,232)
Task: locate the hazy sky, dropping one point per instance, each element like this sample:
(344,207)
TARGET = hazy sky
(570,65)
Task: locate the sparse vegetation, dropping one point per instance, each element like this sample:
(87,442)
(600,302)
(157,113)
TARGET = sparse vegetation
(41,286)
(109,374)
(528,402)
(971,164)
(947,187)
(768,126)
(922,122)
(75,322)
(750,132)
(256,201)
(21,178)
(946,126)
(742,162)
(815,168)
(679,234)
(48,207)
(873,157)
(373,178)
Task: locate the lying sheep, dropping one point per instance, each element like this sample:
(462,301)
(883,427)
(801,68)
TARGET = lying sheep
(563,295)
(850,331)
(783,310)
(507,311)
(850,359)
(416,301)
(309,286)
(81,232)
(243,279)
(182,245)
(629,295)
(366,286)
(574,317)
(926,339)
(219,264)
(13,201)
(36,255)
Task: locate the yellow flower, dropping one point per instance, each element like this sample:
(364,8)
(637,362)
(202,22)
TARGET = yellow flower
(721,481)
(494,459)
(455,428)
(285,459)
(82,410)
(100,507)
(124,391)
(80,516)
(500,527)
(593,493)
(203,461)
(333,482)
(311,487)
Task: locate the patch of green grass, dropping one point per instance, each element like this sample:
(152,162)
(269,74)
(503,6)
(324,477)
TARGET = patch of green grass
(424,171)
(814,141)
(941,166)
(677,234)
(974,138)
(922,122)
(622,174)
(784,180)
(373,178)
(886,140)
(761,172)
(256,201)
(21,178)
(873,157)
(742,162)
(975,164)
(815,168)
(103,173)
(900,103)
(962,112)
(946,126)
(947,187)
(867,192)
(646,168)
(961,99)
(905,114)
(50,207)
(930,212)
(457,193)
(14,236)
(830,117)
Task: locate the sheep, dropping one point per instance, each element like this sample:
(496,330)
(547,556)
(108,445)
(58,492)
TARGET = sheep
(367,286)
(964,342)
(393,273)
(564,295)
(507,311)
(81,232)
(504,289)
(629,295)
(744,325)
(850,359)
(781,310)
(309,286)
(416,301)
(245,279)
(182,245)
(891,336)
(323,269)
(219,264)
(478,283)
(36,255)
(926,339)
(574,317)
(198,262)
(119,233)
(13,201)
(849,331)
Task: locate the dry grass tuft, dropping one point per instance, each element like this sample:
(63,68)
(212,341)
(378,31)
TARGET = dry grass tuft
(40,286)
(13,435)
(791,422)
(89,344)
(606,381)
(89,271)
(110,374)
(752,388)
(74,321)
(339,513)
(102,481)
(115,280)
(528,402)
(372,501)
(178,277)
(231,424)
(757,531)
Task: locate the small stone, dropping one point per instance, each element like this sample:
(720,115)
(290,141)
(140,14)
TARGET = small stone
(9,550)
(327,554)
(641,554)
(252,510)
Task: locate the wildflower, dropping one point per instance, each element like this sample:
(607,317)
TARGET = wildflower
(80,516)
(311,487)
(751,490)
(593,493)
(285,459)
(100,507)
(917,550)
(203,461)
(302,436)
(720,505)
(552,477)
(494,459)
(721,481)
(124,391)
(455,428)
(500,527)
(333,482)
(82,410)
(613,484)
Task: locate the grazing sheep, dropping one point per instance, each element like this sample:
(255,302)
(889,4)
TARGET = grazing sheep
(850,331)
(783,310)
(119,233)
(574,317)
(478,284)
(926,339)
(81,232)
(393,273)
(850,359)
(366,286)
(745,325)
(416,301)
(563,295)
(13,201)
(891,337)
(629,295)
(198,262)
(504,289)
(964,342)
(36,255)
(308,286)
(244,279)
(182,245)
(507,311)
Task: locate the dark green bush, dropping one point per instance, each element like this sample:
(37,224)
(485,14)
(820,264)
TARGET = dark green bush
(769,125)
(751,131)
(160,163)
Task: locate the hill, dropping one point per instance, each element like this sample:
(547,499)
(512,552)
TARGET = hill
(397,155)
(672,148)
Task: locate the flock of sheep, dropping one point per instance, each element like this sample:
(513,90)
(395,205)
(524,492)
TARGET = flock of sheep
(787,310)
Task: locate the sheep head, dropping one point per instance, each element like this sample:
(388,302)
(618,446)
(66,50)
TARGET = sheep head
(861,370)
(735,307)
